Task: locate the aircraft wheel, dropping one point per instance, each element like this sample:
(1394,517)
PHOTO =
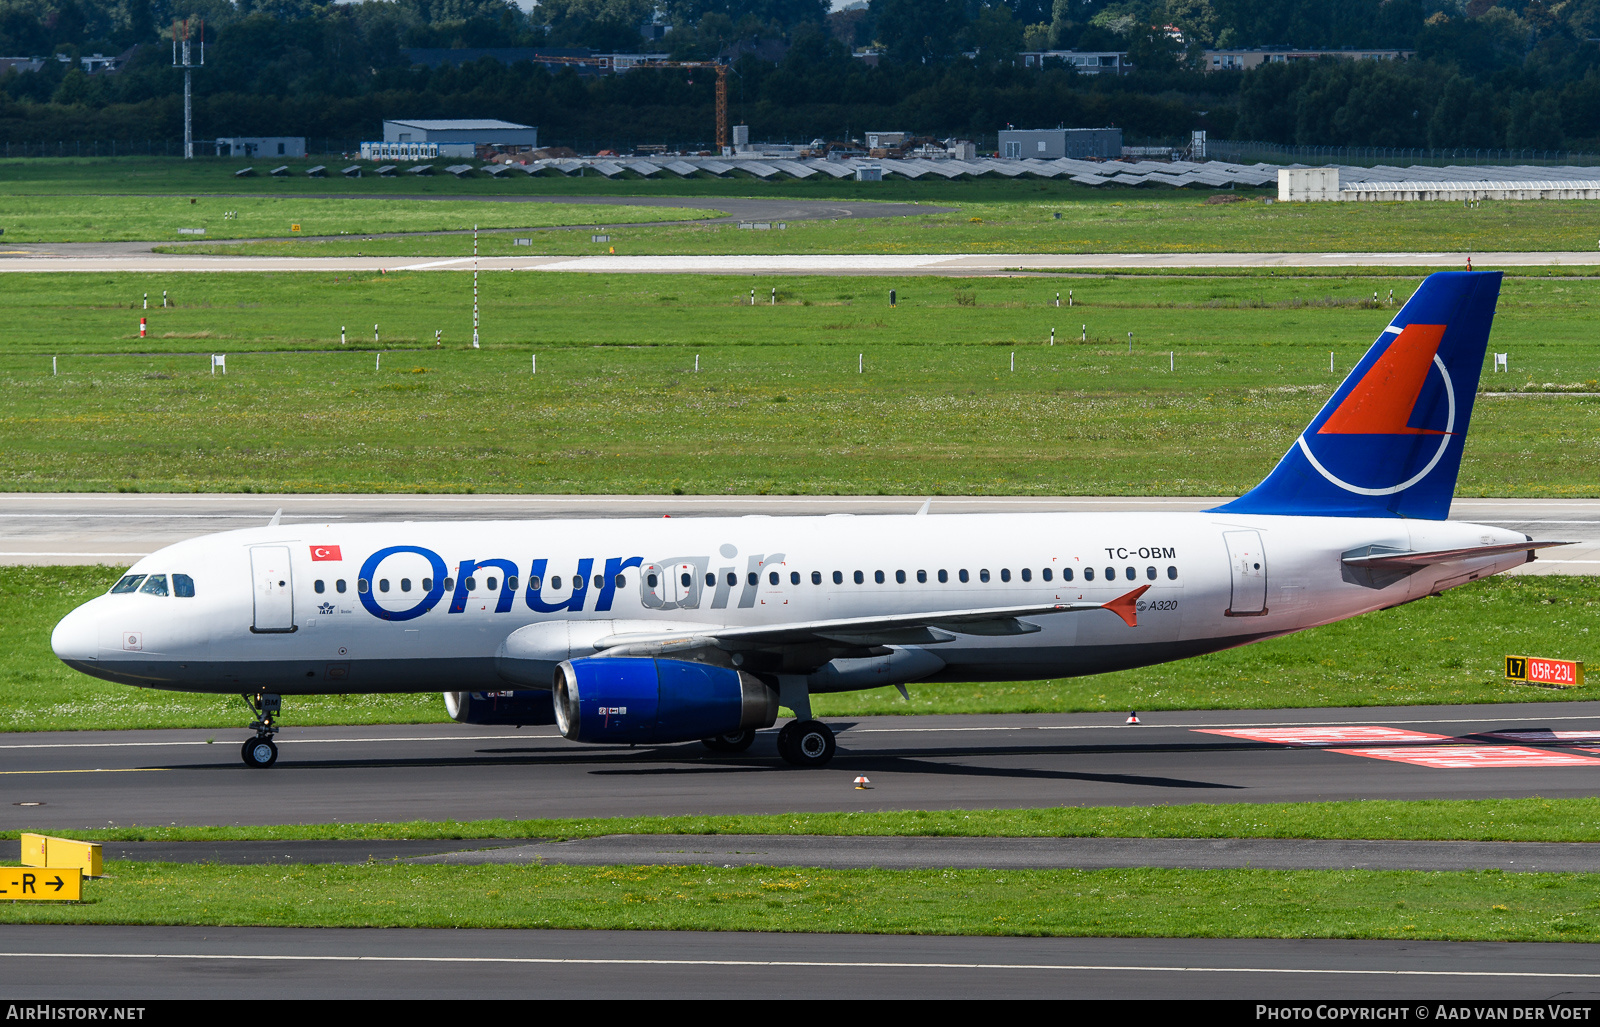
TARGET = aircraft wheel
(809,743)
(733,741)
(259,752)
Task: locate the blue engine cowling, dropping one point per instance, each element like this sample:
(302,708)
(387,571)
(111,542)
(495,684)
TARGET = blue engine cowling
(517,708)
(636,699)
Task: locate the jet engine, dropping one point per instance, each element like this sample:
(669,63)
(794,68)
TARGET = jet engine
(637,699)
(516,708)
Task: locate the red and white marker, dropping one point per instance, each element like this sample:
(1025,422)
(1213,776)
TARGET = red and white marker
(862,784)
(1133,718)
(141,328)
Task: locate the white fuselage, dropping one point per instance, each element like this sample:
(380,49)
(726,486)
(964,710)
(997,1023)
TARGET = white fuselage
(266,616)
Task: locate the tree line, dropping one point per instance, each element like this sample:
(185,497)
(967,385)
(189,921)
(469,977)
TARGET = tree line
(1513,73)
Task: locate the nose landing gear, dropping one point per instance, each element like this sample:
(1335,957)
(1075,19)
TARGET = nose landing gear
(261,751)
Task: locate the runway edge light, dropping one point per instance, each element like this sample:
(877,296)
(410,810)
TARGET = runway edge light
(39,850)
(63,884)
(1543,672)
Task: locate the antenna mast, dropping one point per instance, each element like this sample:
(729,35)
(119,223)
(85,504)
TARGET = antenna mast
(180,37)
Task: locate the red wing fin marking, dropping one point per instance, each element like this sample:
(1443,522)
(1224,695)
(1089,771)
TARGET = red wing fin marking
(1124,606)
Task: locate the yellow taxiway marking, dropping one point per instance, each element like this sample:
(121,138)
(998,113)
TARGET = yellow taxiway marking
(89,770)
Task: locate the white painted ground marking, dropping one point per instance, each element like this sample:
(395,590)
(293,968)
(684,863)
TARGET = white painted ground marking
(803,963)
(1473,757)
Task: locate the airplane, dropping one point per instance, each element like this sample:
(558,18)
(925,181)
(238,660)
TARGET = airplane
(652,631)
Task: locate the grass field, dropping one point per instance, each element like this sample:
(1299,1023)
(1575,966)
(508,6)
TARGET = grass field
(34,219)
(1375,660)
(1537,819)
(777,406)
(1133,221)
(1489,905)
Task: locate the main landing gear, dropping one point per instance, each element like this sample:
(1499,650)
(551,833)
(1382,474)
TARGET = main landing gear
(261,751)
(806,743)
(733,741)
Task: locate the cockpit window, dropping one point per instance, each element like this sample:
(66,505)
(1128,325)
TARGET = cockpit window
(127,584)
(183,586)
(155,585)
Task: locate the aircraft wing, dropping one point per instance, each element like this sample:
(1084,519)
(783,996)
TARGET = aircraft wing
(925,628)
(1387,558)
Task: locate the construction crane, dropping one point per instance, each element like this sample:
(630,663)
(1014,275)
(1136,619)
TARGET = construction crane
(720,68)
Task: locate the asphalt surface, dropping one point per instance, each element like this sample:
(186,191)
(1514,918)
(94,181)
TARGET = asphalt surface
(118,528)
(130,963)
(894,853)
(454,771)
(130,259)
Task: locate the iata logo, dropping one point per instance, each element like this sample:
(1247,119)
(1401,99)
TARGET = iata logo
(1399,396)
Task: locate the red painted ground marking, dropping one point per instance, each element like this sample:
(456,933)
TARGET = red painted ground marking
(1461,757)
(1325,735)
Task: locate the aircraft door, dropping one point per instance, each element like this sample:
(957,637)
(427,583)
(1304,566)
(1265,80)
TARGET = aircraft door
(683,585)
(272,589)
(1247,562)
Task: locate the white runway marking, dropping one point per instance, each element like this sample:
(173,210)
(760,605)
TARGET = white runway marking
(803,964)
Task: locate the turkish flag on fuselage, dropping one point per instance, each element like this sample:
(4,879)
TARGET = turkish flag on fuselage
(325,553)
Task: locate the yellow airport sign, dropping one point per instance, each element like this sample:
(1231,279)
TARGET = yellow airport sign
(41,850)
(63,884)
(1546,673)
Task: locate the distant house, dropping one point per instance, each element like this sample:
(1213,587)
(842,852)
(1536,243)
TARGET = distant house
(1085,62)
(262,146)
(1245,58)
(1055,143)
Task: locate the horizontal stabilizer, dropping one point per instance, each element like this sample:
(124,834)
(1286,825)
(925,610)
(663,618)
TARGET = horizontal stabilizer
(1398,559)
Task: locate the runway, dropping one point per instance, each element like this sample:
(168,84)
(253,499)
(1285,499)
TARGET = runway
(130,258)
(67,780)
(132,963)
(118,528)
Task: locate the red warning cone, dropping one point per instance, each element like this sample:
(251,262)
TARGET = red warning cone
(1133,718)
(862,784)
(141,328)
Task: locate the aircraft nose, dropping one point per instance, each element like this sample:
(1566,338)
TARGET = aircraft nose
(75,638)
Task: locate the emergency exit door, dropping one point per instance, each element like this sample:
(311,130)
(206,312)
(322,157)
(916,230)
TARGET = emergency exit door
(1248,562)
(273,589)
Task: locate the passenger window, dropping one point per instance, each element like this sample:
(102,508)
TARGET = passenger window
(555,582)
(1172,574)
(860,577)
(1131,574)
(427,585)
(1066,574)
(877,576)
(535,582)
(318,587)
(1046,575)
(649,579)
(405,584)
(155,585)
(944,577)
(711,579)
(621,581)
(922,577)
(472,583)
(900,577)
(772,577)
(383,584)
(128,583)
(1005,574)
(1150,572)
(733,579)
(816,577)
(685,579)
(338,586)
(1027,574)
(983,575)
(752,578)
(361,585)
(962,574)
(450,584)
(490,582)
(794,577)
(599,581)
(838,577)
(1088,574)
(183,586)
(1111,574)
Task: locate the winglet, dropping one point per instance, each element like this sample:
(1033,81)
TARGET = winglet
(276,518)
(1123,606)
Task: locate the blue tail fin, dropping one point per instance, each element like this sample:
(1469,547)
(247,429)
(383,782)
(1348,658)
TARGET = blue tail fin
(1388,443)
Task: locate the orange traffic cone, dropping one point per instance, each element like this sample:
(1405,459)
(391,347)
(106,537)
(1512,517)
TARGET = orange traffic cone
(1133,718)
